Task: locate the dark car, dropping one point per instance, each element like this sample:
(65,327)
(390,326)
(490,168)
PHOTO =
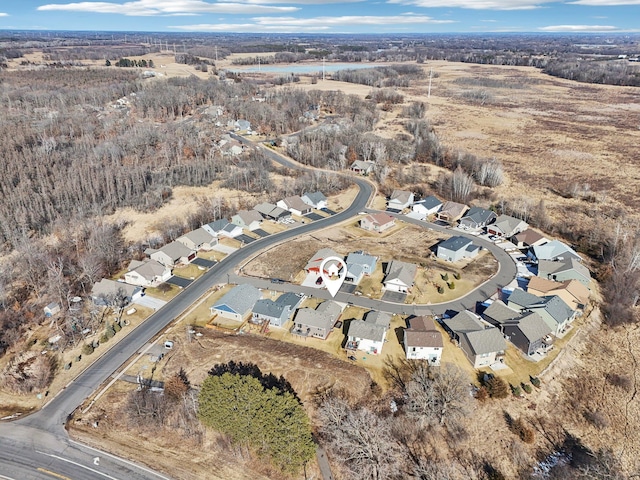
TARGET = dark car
(319,281)
(277,280)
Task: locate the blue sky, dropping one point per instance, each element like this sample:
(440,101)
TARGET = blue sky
(324,16)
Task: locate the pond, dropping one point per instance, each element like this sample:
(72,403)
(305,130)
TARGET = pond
(305,68)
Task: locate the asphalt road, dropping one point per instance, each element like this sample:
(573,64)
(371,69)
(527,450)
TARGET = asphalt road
(37,446)
(43,431)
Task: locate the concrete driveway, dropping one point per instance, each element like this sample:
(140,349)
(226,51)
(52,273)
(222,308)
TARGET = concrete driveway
(150,302)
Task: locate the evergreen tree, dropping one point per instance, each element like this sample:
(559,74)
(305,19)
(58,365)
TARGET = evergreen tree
(269,420)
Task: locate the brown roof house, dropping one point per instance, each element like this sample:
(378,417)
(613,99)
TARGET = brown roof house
(574,293)
(528,238)
(198,239)
(172,254)
(147,273)
(483,345)
(249,219)
(400,276)
(294,205)
(423,341)
(110,293)
(377,222)
(451,212)
(507,226)
(316,323)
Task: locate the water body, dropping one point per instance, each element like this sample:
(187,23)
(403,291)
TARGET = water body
(307,68)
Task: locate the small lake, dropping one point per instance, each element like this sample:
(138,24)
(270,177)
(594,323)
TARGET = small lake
(306,68)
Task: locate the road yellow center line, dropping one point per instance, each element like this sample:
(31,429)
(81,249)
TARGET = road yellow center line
(53,474)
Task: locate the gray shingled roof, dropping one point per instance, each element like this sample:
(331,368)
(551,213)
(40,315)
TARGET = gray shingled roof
(240,298)
(464,321)
(484,341)
(176,250)
(218,225)
(149,269)
(405,272)
(249,216)
(264,208)
(268,308)
(289,299)
(296,203)
(554,249)
(533,327)
(557,308)
(315,197)
(507,223)
(479,215)
(324,316)
(199,236)
(402,196)
(499,312)
(366,330)
(376,317)
(455,243)
(429,202)
(548,267)
(523,299)
(111,288)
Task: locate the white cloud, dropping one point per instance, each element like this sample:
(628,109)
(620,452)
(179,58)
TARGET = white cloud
(480,4)
(605,3)
(142,8)
(292,24)
(4,14)
(579,28)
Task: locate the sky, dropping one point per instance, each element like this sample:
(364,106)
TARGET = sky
(324,16)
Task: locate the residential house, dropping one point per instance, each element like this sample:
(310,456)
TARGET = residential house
(314,263)
(553,310)
(574,293)
(400,276)
(483,345)
(377,222)
(451,212)
(315,200)
(359,264)
(198,239)
(249,219)
(368,335)
(110,293)
(230,231)
(242,126)
(423,341)
(51,309)
(528,238)
(148,273)
(477,218)
(399,200)
(498,313)
(294,205)
(277,312)
(272,212)
(172,254)
(457,248)
(362,167)
(554,250)
(529,332)
(316,323)
(567,269)
(237,303)
(427,206)
(507,226)
(214,228)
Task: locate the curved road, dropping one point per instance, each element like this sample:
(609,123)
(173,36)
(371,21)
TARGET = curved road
(38,447)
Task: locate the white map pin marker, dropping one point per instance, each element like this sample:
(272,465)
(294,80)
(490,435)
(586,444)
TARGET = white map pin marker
(333,276)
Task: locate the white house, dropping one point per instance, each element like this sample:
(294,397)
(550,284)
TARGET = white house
(362,167)
(368,335)
(399,276)
(316,200)
(427,206)
(237,303)
(399,200)
(423,341)
(295,205)
(198,239)
(172,254)
(249,219)
(146,273)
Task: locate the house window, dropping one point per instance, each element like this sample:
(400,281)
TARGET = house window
(413,349)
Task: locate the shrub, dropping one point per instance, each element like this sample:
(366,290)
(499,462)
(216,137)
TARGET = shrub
(67,366)
(522,430)
(78,358)
(527,388)
(104,338)
(451,285)
(117,327)
(535,381)
(482,394)
(87,348)
(597,419)
(457,275)
(445,276)
(440,289)
(622,381)
(497,387)
(516,391)
(109,332)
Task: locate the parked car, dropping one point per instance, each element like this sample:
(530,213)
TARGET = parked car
(319,281)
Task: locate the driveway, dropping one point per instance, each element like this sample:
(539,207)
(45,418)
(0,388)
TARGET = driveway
(150,302)
(310,280)
(203,262)
(394,297)
(348,288)
(224,249)
(329,211)
(261,233)
(179,281)
(313,216)
(245,239)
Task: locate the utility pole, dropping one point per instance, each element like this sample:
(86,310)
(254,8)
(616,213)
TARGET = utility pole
(430,77)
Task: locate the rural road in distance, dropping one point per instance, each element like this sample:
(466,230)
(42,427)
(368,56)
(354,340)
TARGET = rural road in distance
(38,447)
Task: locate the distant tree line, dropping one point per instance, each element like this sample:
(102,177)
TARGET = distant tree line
(126,62)
(392,76)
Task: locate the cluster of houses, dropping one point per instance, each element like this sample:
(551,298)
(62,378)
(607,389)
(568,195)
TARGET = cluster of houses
(158,266)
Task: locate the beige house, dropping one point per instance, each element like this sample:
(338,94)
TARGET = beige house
(423,341)
(377,222)
(574,293)
(451,212)
(198,239)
